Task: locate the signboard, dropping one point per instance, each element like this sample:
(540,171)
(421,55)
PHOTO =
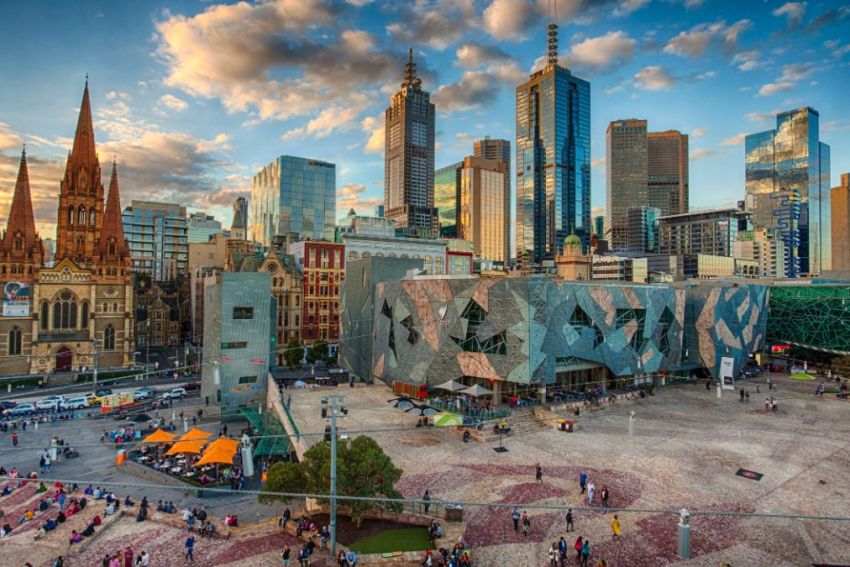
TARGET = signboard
(117,400)
(727,373)
(16,299)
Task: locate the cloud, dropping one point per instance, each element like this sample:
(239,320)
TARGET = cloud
(735,140)
(793,11)
(654,78)
(332,118)
(374,127)
(8,138)
(472,54)
(597,162)
(748,60)
(170,102)
(698,132)
(267,59)
(835,126)
(475,89)
(509,19)
(351,197)
(836,48)
(434,22)
(603,52)
(44,175)
(614,89)
(791,74)
(702,153)
(827,18)
(694,42)
(626,7)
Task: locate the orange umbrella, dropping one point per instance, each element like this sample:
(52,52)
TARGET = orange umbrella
(159,436)
(225,443)
(186,447)
(194,434)
(217,456)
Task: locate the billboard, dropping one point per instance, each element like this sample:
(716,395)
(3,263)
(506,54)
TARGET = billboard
(16,299)
(727,372)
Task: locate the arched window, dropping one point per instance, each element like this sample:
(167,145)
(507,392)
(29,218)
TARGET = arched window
(45,315)
(81,215)
(91,216)
(70,215)
(19,242)
(84,318)
(115,308)
(109,338)
(65,311)
(15,341)
(112,246)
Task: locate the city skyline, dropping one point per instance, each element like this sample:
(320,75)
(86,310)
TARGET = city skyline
(186,128)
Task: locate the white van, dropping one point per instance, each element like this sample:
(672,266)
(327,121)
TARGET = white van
(77,402)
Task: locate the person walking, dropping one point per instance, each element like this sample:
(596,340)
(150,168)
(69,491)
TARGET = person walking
(585,553)
(582,480)
(603,496)
(285,556)
(553,555)
(569,518)
(591,492)
(426,500)
(562,550)
(516,517)
(14,439)
(615,527)
(190,548)
(538,472)
(526,524)
(578,547)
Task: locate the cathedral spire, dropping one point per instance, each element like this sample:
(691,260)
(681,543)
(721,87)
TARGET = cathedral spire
(21,222)
(84,151)
(112,243)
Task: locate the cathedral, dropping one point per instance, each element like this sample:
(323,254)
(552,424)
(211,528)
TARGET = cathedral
(77,312)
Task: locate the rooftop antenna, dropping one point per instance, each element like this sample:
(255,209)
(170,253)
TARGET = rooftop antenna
(410,69)
(552,57)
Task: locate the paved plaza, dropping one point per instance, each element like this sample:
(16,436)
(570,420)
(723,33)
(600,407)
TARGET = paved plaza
(687,447)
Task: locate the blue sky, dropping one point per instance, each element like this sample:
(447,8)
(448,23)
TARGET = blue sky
(192,98)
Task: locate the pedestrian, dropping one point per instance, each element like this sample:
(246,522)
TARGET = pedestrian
(190,548)
(769,384)
(603,496)
(585,553)
(426,500)
(128,557)
(225,430)
(747,397)
(741,399)
(14,439)
(144,560)
(526,524)
(591,492)
(578,547)
(562,551)
(515,516)
(615,527)
(538,472)
(570,525)
(553,555)
(582,481)
(285,556)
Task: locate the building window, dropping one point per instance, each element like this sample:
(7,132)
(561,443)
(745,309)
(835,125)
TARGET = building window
(91,216)
(81,215)
(247,379)
(65,311)
(237,344)
(243,312)
(109,338)
(15,341)
(45,315)
(84,318)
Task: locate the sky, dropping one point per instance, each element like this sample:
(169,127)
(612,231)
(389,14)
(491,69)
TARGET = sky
(192,98)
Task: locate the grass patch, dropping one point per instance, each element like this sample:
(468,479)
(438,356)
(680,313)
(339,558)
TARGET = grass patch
(803,377)
(401,539)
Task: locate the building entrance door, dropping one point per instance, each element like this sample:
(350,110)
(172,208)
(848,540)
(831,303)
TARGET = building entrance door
(64,359)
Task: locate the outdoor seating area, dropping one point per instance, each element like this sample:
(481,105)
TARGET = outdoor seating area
(475,403)
(193,457)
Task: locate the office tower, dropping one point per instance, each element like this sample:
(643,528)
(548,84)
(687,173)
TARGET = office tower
(763,246)
(642,229)
(787,187)
(667,170)
(483,213)
(553,158)
(240,207)
(841,225)
(293,195)
(202,227)
(499,150)
(409,158)
(626,177)
(379,210)
(446,197)
(157,236)
(599,226)
(700,232)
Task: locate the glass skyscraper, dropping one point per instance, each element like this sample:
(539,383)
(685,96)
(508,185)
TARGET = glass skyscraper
(446,196)
(625,178)
(157,235)
(667,171)
(293,195)
(552,159)
(788,188)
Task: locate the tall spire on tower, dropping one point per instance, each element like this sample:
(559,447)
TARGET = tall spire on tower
(84,151)
(21,221)
(552,42)
(112,241)
(410,78)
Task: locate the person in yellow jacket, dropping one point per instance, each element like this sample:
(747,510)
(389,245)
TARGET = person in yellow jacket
(615,526)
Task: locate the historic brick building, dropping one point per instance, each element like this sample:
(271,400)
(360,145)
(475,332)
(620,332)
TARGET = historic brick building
(56,318)
(322,267)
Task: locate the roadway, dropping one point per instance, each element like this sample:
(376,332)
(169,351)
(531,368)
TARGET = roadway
(118,386)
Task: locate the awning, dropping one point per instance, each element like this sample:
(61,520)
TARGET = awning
(195,434)
(159,436)
(186,447)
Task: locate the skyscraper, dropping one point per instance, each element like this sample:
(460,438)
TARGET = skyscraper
(446,197)
(499,150)
(553,158)
(293,195)
(409,158)
(240,214)
(667,171)
(483,214)
(642,229)
(157,234)
(626,177)
(840,200)
(202,227)
(787,187)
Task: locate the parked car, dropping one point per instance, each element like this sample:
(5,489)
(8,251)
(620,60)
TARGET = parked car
(22,409)
(77,402)
(144,393)
(50,403)
(6,405)
(101,395)
(193,386)
(174,394)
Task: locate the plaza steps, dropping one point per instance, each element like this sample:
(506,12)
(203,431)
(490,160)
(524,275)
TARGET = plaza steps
(521,424)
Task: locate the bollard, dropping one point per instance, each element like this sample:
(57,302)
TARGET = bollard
(683,535)
(632,424)
(719,391)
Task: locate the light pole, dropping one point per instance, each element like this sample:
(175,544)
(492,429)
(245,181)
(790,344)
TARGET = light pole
(147,344)
(335,409)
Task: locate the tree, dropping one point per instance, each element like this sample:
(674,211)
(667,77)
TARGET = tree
(317,351)
(293,355)
(363,469)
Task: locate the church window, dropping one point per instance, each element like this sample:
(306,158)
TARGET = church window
(45,315)
(65,311)
(112,246)
(81,215)
(70,215)
(15,341)
(84,318)
(91,216)
(109,338)
(19,243)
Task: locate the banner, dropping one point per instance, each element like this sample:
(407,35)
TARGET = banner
(16,299)
(727,372)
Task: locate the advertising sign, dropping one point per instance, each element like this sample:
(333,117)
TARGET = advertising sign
(727,373)
(16,299)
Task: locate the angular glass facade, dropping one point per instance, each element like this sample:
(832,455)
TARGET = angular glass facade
(157,235)
(293,195)
(446,195)
(787,182)
(552,162)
